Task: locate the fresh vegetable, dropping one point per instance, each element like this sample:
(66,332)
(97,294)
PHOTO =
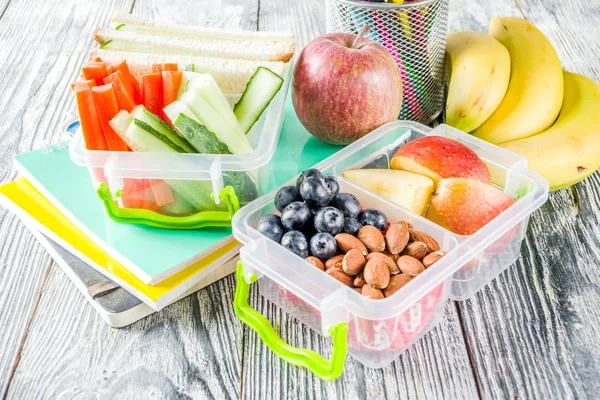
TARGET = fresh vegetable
(130,80)
(153,92)
(131,193)
(148,129)
(94,70)
(123,92)
(106,106)
(233,137)
(208,88)
(141,113)
(179,207)
(170,67)
(88,118)
(202,139)
(171,82)
(260,90)
(162,192)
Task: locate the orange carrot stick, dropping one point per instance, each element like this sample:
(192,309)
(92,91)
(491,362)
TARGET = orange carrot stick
(95,70)
(122,92)
(162,192)
(153,92)
(88,118)
(156,68)
(130,80)
(106,105)
(170,67)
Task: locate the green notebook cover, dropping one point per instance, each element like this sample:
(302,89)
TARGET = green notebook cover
(155,254)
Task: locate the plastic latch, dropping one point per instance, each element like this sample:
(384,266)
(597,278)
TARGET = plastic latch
(216,176)
(198,220)
(332,310)
(327,370)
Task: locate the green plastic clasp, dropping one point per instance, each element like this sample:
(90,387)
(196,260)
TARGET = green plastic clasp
(324,369)
(199,220)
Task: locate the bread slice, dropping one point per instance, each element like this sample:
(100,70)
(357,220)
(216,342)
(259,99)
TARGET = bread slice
(231,49)
(129,22)
(231,75)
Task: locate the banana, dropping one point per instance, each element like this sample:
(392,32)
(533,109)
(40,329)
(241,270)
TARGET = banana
(535,92)
(570,150)
(479,72)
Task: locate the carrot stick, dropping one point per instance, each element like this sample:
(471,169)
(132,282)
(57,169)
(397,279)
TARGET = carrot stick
(106,105)
(88,118)
(95,70)
(110,69)
(156,68)
(131,193)
(130,80)
(171,80)
(91,83)
(122,92)
(170,67)
(147,196)
(153,92)
(162,192)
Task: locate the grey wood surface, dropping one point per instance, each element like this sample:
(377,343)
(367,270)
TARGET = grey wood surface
(531,333)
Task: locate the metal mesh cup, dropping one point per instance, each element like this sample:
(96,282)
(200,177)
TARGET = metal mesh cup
(415,35)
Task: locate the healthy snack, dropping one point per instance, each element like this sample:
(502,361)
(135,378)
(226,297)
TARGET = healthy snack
(368,260)
(535,91)
(408,189)
(356,88)
(479,71)
(438,157)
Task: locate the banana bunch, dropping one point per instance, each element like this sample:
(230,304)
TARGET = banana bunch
(508,88)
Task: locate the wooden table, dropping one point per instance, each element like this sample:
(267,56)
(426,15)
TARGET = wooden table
(531,334)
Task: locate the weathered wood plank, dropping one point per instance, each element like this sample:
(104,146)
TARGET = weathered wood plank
(41,46)
(533,332)
(190,349)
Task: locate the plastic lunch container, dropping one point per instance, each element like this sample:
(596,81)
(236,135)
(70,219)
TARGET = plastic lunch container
(125,179)
(375,332)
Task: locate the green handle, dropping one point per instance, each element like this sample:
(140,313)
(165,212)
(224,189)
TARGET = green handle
(199,220)
(324,369)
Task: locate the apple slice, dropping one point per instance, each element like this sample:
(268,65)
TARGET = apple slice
(438,157)
(407,189)
(464,206)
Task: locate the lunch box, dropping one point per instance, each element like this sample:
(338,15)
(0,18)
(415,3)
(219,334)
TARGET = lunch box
(375,332)
(209,188)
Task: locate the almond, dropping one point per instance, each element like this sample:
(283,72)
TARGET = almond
(372,238)
(316,262)
(396,283)
(340,275)
(410,265)
(391,264)
(346,241)
(394,257)
(376,273)
(353,262)
(358,290)
(372,293)
(359,281)
(432,258)
(420,236)
(334,262)
(417,250)
(408,225)
(397,238)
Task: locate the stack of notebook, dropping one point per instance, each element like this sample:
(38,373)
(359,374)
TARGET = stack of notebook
(129,271)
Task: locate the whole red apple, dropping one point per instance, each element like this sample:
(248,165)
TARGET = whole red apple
(345,86)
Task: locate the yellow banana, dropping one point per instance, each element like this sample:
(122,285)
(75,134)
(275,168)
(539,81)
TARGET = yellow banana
(535,92)
(479,68)
(570,150)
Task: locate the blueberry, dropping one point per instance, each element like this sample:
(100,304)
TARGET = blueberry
(374,217)
(295,215)
(351,226)
(332,185)
(330,220)
(285,196)
(307,174)
(348,204)
(323,246)
(295,242)
(314,192)
(270,226)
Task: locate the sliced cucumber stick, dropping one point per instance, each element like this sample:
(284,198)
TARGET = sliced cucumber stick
(202,139)
(211,92)
(259,92)
(141,113)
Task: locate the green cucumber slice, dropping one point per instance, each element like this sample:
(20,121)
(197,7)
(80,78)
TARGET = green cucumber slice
(120,123)
(141,113)
(259,92)
(202,139)
(157,135)
(211,92)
